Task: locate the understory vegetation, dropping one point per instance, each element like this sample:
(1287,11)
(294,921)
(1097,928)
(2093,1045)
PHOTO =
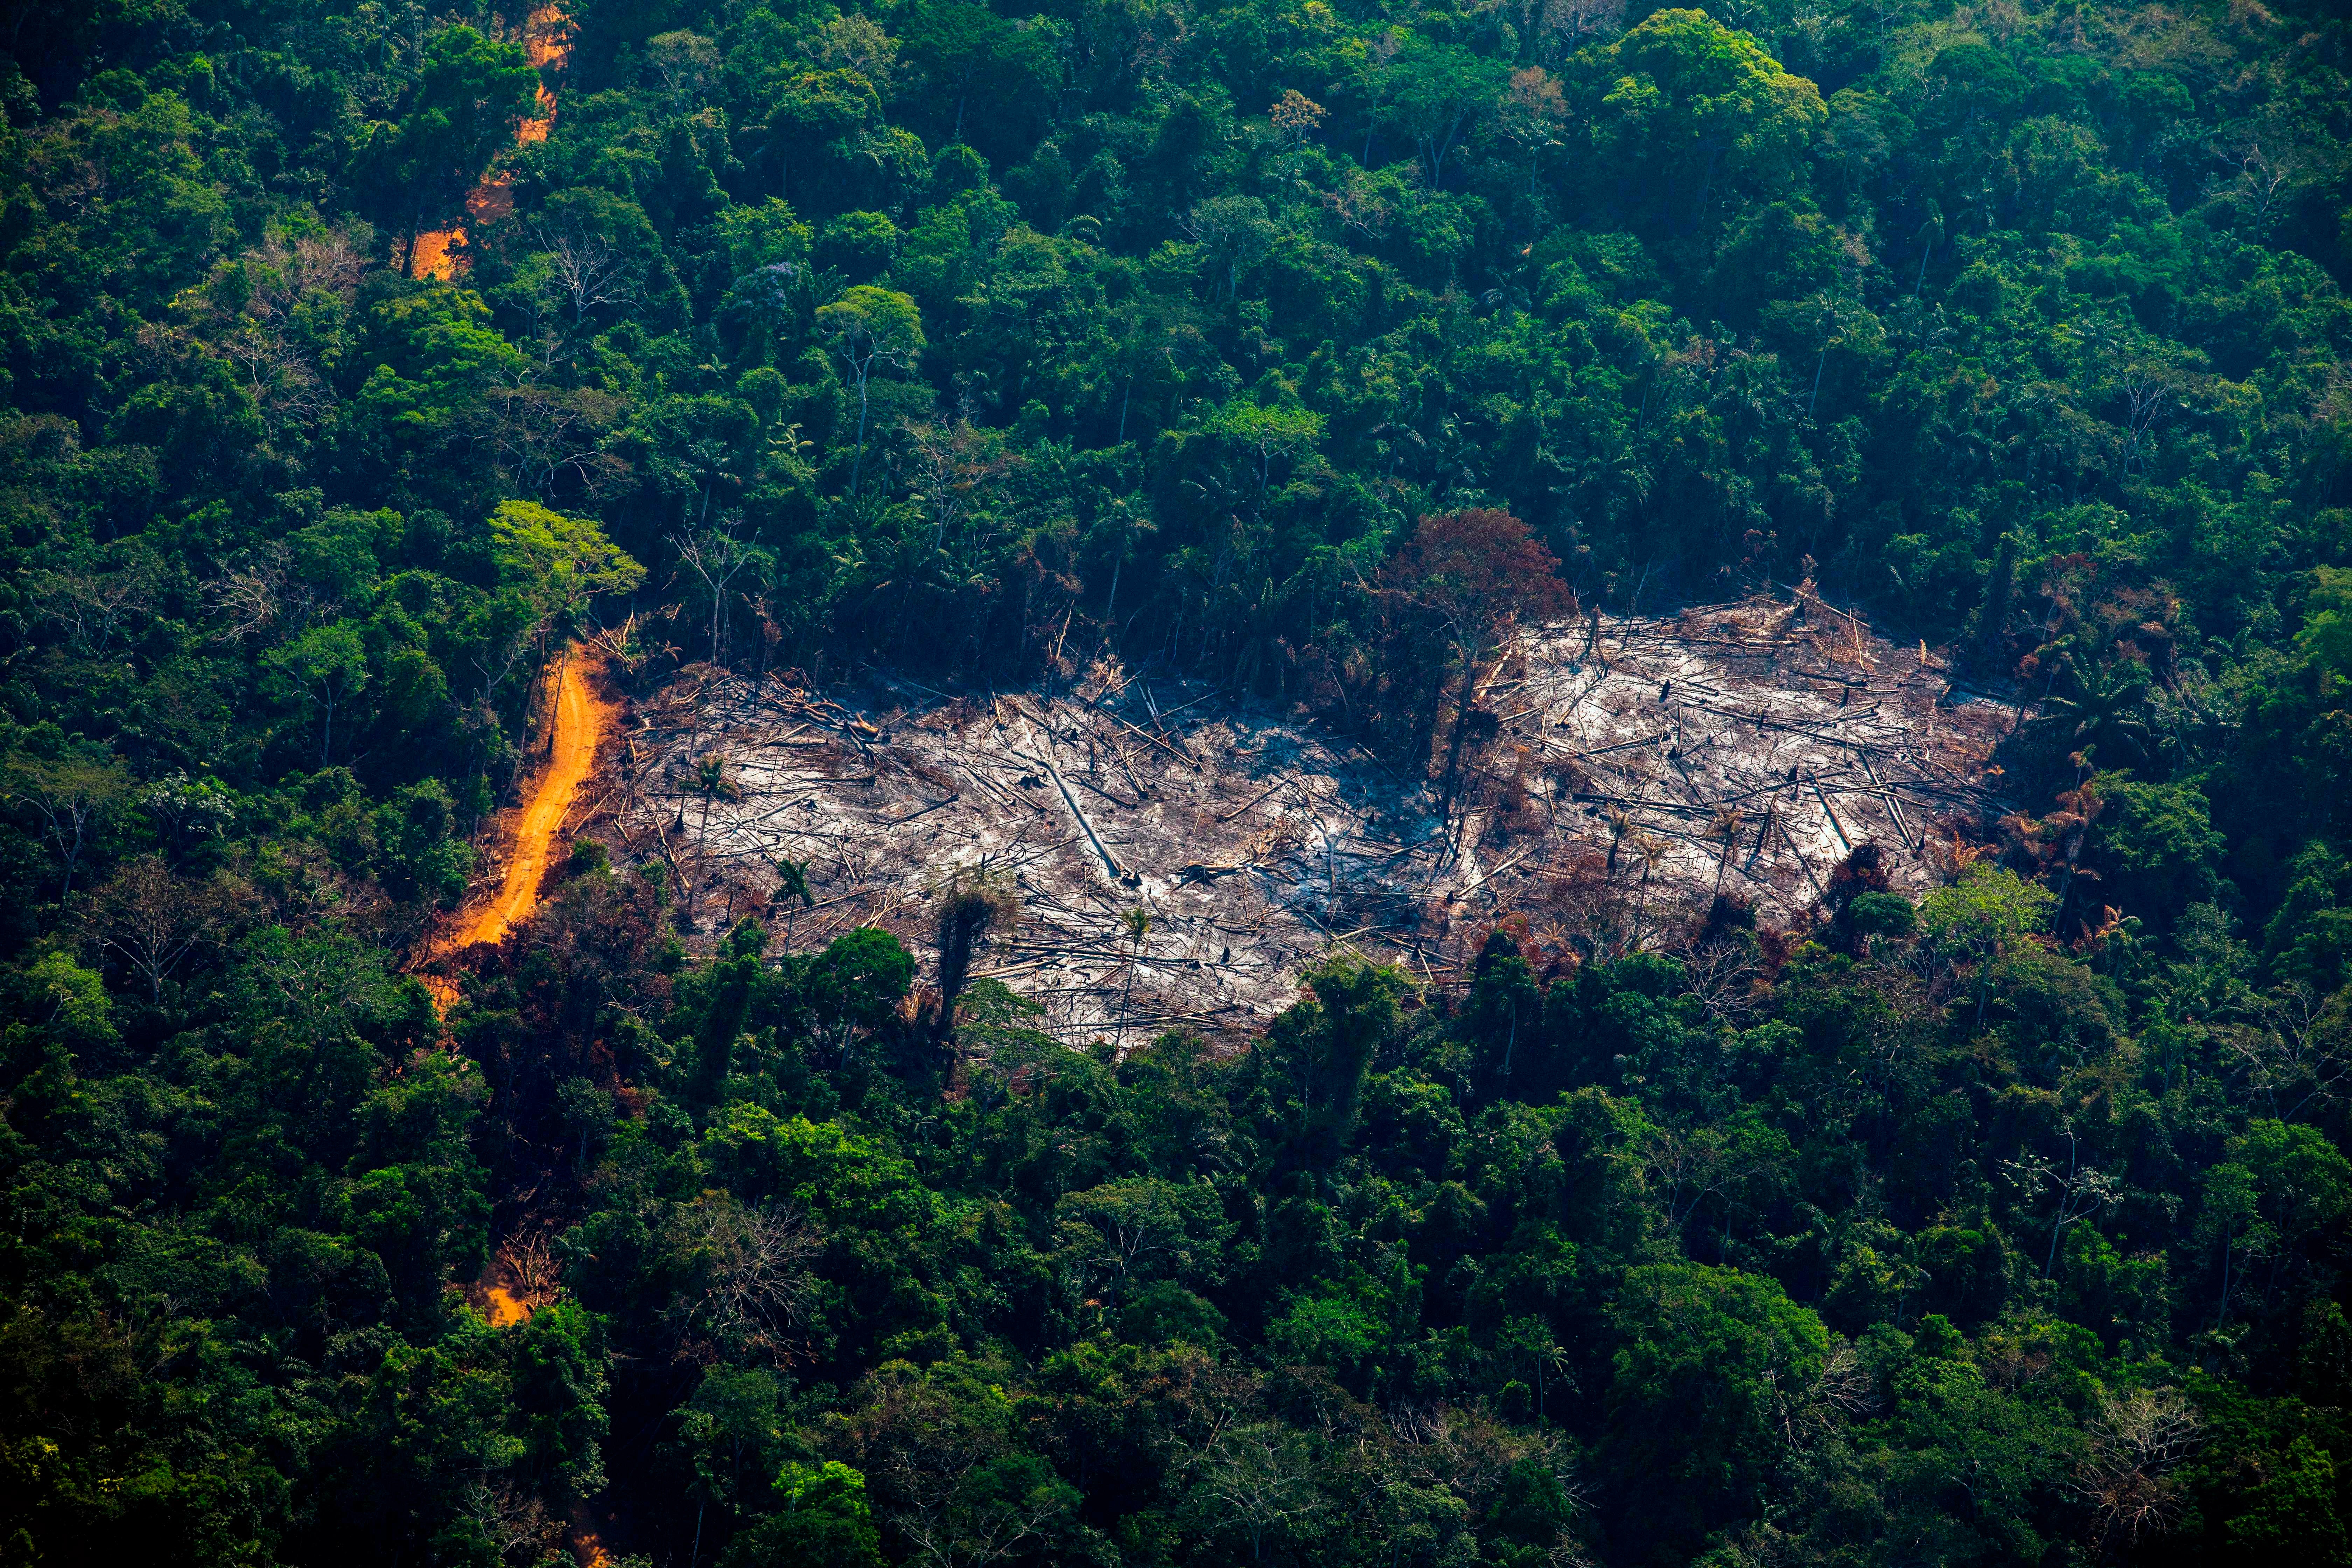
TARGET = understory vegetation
(2005,1224)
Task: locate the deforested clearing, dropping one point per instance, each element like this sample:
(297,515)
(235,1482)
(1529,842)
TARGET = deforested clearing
(1620,774)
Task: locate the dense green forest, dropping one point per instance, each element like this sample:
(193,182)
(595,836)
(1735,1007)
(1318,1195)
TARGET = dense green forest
(2005,1226)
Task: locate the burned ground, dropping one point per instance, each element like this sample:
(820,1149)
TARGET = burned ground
(1622,774)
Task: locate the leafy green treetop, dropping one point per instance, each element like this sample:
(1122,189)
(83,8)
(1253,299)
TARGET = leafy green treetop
(868,327)
(1694,100)
(558,562)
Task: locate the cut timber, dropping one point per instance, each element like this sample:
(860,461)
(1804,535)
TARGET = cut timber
(1829,812)
(1043,757)
(1260,795)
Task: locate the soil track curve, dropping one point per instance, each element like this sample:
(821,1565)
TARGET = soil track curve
(581,719)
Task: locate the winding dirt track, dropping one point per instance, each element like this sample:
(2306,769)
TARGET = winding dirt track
(581,719)
(439,253)
(579,724)
(581,716)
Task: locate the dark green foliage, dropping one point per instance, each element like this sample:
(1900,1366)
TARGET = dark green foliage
(1307,350)
(1701,1396)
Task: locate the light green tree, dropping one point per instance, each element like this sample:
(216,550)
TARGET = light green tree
(1987,914)
(870,328)
(557,561)
(328,662)
(1282,431)
(1694,101)
(557,565)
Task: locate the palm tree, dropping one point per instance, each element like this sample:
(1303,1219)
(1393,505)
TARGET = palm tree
(711,781)
(793,884)
(1619,822)
(2106,709)
(1138,923)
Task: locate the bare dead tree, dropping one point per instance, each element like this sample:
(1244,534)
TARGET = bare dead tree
(2261,177)
(2298,1054)
(2139,1439)
(531,1261)
(250,594)
(66,798)
(497,662)
(716,557)
(1684,1169)
(1577,17)
(92,606)
(516,1525)
(542,436)
(2149,392)
(281,378)
(752,1284)
(153,920)
(910,1436)
(2079,1191)
(1260,1479)
(587,268)
(954,471)
(261,334)
(1845,1384)
(1809,1413)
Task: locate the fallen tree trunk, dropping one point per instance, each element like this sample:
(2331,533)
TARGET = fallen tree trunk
(1069,797)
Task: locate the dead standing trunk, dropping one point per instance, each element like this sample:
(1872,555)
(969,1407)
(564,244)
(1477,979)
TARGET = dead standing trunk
(970,905)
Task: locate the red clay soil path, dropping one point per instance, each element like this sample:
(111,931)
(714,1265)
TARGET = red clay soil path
(581,719)
(546,40)
(581,722)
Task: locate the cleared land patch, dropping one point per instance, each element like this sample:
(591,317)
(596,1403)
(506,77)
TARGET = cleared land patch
(1623,773)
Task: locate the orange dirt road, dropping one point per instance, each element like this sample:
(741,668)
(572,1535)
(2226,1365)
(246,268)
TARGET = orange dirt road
(580,720)
(546,40)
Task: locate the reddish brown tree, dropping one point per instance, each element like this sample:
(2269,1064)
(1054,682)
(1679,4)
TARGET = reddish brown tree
(1453,594)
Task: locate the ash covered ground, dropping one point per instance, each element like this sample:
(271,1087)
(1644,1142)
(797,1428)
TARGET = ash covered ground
(1626,771)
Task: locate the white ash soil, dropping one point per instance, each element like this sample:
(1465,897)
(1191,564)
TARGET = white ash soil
(1637,765)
